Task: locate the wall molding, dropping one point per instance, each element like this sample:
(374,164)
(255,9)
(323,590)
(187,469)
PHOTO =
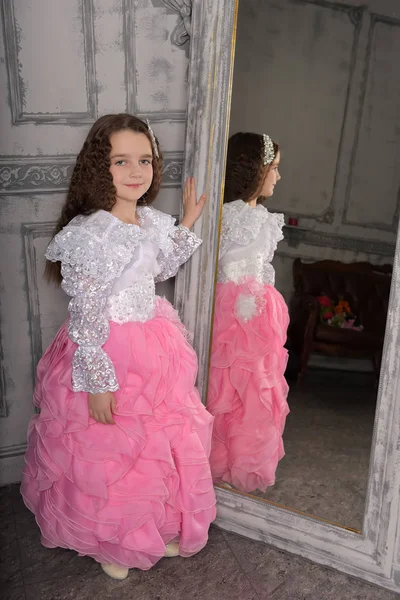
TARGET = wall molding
(294,236)
(181,33)
(38,174)
(31,231)
(3,389)
(179,37)
(177,116)
(16,84)
(355,15)
(13,451)
(172,169)
(394,22)
(171,116)
(48,174)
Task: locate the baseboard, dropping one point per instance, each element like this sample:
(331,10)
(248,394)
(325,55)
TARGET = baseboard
(11,469)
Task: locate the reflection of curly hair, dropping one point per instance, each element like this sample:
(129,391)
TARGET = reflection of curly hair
(91,187)
(245,171)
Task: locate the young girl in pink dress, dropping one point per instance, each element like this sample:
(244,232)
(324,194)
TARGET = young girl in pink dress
(247,389)
(117,463)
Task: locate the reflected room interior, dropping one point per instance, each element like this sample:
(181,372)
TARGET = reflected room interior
(311,74)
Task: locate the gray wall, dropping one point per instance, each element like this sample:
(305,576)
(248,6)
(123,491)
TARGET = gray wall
(63,64)
(322,79)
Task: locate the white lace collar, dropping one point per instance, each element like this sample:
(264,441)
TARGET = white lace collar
(143,212)
(242,224)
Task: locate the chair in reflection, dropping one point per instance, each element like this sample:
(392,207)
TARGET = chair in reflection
(363,286)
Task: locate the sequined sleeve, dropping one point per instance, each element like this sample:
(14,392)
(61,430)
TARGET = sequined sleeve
(175,250)
(88,270)
(92,369)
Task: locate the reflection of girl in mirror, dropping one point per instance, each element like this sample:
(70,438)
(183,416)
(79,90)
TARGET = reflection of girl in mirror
(247,389)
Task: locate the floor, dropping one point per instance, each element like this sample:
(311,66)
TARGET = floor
(327,439)
(229,568)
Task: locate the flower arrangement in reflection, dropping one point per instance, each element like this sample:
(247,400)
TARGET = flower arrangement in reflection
(338,313)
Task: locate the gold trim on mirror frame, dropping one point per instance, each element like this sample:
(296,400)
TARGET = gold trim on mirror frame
(222,189)
(284,507)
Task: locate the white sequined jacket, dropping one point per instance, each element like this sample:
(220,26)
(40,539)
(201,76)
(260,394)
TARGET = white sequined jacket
(109,268)
(249,237)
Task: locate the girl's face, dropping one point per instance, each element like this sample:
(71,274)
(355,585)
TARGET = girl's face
(272,177)
(131,165)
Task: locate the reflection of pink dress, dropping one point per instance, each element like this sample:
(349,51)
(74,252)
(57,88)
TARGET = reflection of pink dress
(247,389)
(119,493)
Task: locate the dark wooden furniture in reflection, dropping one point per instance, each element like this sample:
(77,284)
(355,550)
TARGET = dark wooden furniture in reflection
(366,287)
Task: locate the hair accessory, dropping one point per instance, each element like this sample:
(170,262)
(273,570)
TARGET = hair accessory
(269,152)
(153,139)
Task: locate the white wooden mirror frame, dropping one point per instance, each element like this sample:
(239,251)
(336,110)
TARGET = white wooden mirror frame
(373,555)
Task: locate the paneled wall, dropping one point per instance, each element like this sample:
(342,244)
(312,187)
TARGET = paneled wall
(63,64)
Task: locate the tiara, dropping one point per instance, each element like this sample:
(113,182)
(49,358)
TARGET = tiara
(269,152)
(153,139)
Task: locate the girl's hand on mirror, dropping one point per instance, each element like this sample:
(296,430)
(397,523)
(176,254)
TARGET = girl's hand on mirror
(192,208)
(101,407)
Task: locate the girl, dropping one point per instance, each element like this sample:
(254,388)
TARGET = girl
(117,462)
(247,388)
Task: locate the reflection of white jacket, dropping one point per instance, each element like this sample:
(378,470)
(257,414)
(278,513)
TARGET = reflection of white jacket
(109,268)
(249,237)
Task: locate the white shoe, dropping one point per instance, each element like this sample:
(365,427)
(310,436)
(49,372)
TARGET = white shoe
(228,486)
(115,572)
(172,550)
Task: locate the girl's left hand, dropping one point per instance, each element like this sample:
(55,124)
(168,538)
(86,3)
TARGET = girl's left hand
(191,208)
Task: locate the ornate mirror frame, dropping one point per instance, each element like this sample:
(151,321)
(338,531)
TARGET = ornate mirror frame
(373,555)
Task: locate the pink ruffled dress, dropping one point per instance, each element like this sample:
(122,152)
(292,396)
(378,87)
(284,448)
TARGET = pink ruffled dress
(119,493)
(247,389)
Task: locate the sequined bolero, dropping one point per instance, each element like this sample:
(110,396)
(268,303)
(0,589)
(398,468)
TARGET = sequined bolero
(109,268)
(249,237)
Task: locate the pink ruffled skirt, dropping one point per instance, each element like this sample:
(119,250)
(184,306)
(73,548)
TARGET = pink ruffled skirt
(247,389)
(119,493)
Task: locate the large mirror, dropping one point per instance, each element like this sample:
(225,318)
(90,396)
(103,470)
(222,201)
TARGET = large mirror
(309,462)
(300,78)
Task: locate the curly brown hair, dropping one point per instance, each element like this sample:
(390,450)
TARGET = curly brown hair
(245,171)
(91,187)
